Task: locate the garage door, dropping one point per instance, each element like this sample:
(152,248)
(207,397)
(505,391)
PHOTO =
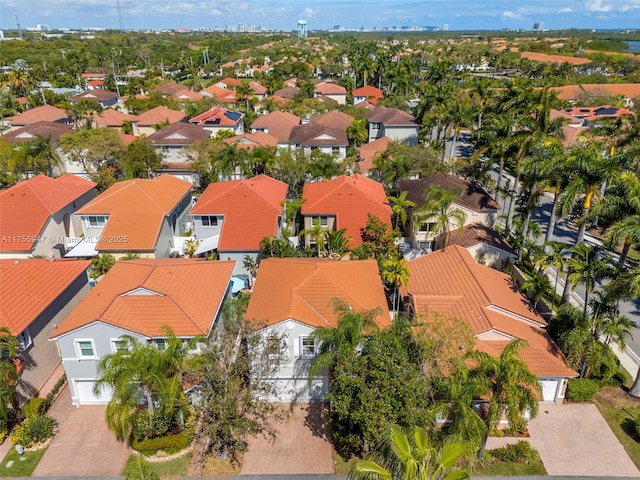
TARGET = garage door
(549,388)
(86,396)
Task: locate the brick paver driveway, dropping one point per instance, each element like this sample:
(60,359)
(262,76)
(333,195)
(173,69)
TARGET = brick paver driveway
(302,445)
(83,446)
(574,439)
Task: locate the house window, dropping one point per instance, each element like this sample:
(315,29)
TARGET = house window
(97,221)
(322,220)
(307,347)
(160,343)
(209,221)
(335,151)
(426,227)
(119,345)
(24,339)
(85,349)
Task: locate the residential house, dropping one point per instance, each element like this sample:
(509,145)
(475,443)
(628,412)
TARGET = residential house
(186,95)
(277,124)
(105,98)
(484,244)
(171,142)
(36,215)
(473,200)
(259,91)
(148,122)
(344,202)
(233,217)
(452,284)
(312,136)
(47,130)
(591,116)
(37,294)
(139,216)
(220,94)
(333,119)
(111,118)
(288,93)
(396,124)
(292,297)
(368,151)
(249,141)
(169,89)
(217,119)
(139,298)
(228,83)
(627,91)
(46,113)
(368,93)
(331,90)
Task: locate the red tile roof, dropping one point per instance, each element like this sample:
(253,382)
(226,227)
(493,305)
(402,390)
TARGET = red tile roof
(136,209)
(46,113)
(367,151)
(543,57)
(302,289)
(350,199)
(333,119)
(251,209)
(327,89)
(186,95)
(451,283)
(230,82)
(25,208)
(29,286)
(184,294)
(112,118)
(371,93)
(249,141)
(218,116)
(278,124)
(159,115)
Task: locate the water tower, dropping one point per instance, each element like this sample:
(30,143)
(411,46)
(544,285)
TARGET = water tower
(302,29)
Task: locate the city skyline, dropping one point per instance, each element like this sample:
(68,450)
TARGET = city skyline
(322,15)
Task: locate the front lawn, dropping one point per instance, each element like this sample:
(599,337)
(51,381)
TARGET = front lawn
(618,409)
(508,469)
(20,468)
(172,468)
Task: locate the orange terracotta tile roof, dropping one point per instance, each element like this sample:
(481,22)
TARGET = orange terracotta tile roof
(169,88)
(278,124)
(29,286)
(371,93)
(592,114)
(571,135)
(350,199)
(218,116)
(185,294)
(159,115)
(302,289)
(249,141)
(112,118)
(46,113)
(333,119)
(251,209)
(136,209)
(258,89)
(326,89)
(543,57)
(367,151)
(221,94)
(186,95)
(230,82)
(450,282)
(25,208)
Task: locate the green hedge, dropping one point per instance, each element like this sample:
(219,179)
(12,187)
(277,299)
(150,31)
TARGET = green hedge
(167,443)
(33,407)
(521,452)
(581,389)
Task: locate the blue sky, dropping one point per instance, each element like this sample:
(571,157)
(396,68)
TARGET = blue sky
(283,14)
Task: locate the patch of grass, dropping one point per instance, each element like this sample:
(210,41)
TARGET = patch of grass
(20,468)
(172,468)
(618,409)
(214,466)
(342,466)
(508,469)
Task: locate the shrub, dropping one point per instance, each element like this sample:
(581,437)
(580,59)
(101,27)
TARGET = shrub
(521,452)
(167,443)
(33,430)
(54,391)
(33,407)
(148,426)
(581,389)
(636,425)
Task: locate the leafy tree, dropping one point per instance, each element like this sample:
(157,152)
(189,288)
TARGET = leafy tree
(378,241)
(142,369)
(277,247)
(93,149)
(512,386)
(9,347)
(101,264)
(233,394)
(411,456)
(141,160)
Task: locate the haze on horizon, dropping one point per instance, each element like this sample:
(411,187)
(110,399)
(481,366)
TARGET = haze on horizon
(350,14)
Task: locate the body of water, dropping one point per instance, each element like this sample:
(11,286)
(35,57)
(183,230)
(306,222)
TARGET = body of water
(634,46)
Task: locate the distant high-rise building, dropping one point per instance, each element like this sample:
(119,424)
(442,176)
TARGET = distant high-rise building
(538,26)
(445,27)
(302,29)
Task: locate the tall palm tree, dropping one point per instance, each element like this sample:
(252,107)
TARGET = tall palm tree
(587,265)
(399,206)
(438,209)
(513,387)
(316,234)
(343,339)
(396,273)
(143,369)
(411,456)
(336,242)
(537,286)
(554,257)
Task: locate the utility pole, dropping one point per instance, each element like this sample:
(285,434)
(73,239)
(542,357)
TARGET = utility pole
(120,20)
(18,25)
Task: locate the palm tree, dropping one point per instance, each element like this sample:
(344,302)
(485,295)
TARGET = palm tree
(336,242)
(9,347)
(396,273)
(537,286)
(399,207)
(513,387)
(554,256)
(143,369)
(344,338)
(411,456)
(587,265)
(316,234)
(438,209)
(357,132)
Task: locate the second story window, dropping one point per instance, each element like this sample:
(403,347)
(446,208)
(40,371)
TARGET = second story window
(323,221)
(96,221)
(209,221)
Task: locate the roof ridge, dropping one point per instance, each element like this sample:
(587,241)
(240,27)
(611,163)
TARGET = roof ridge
(38,196)
(466,261)
(317,271)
